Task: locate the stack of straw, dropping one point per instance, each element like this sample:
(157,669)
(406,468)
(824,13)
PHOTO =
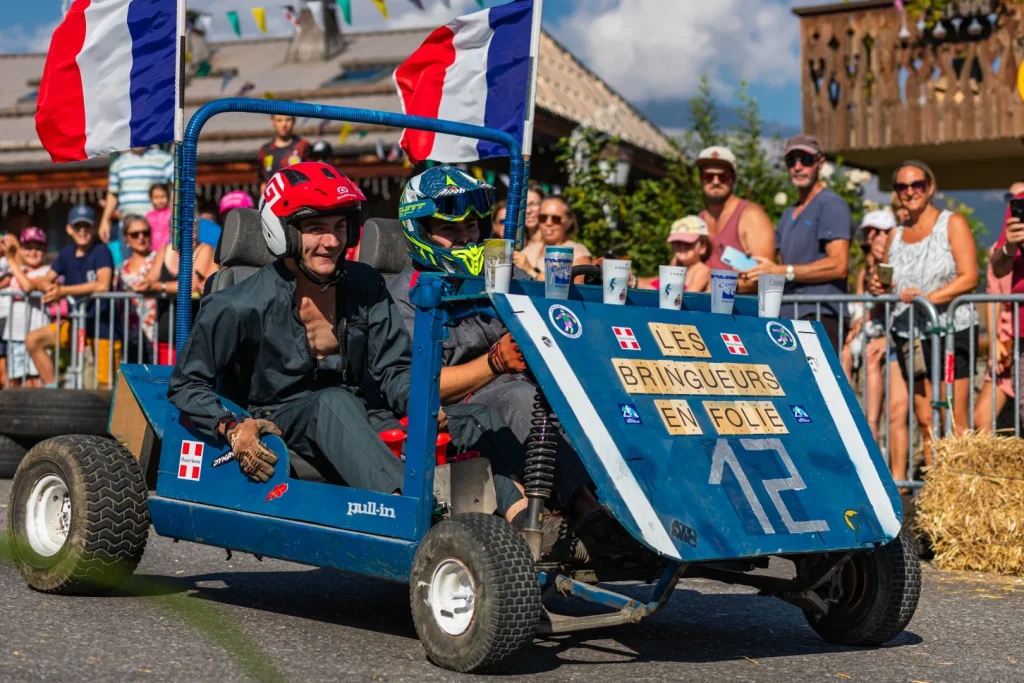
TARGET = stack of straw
(972,505)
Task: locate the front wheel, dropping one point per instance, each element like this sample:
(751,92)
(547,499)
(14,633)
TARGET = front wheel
(475,594)
(78,518)
(873,597)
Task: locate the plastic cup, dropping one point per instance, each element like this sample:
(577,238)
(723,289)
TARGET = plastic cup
(497,265)
(723,291)
(672,281)
(393,439)
(557,271)
(441,448)
(769,295)
(615,276)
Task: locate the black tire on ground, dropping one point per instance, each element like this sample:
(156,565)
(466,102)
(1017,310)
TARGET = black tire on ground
(107,522)
(11,453)
(53,412)
(506,592)
(880,592)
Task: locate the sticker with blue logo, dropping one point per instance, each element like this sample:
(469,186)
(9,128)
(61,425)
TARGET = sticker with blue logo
(801,415)
(565,321)
(781,335)
(630,414)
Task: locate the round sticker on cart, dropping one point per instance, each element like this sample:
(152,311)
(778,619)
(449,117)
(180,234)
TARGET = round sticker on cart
(565,321)
(781,335)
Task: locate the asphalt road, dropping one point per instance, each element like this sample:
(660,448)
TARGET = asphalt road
(189,615)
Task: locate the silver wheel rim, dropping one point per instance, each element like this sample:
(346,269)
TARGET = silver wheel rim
(452,597)
(48,516)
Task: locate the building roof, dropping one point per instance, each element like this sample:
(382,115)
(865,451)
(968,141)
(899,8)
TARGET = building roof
(565,89)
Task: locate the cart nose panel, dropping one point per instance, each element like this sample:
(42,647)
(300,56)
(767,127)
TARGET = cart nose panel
(710,436)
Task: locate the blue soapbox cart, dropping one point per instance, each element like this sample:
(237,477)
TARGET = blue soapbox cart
(716,441)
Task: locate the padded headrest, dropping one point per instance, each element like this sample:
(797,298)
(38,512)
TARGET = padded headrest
(383,246)
(241,241)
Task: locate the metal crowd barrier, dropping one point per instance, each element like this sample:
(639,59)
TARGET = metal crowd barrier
(805,304)
(77,362)
(1014,301)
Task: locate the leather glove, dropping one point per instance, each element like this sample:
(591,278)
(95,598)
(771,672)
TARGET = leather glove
(505,357)
(254,458)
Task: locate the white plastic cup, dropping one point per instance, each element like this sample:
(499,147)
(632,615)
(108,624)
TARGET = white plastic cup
(497,255)
(671,281)
(769,295)
(723,290)
(557,271)
(615,276)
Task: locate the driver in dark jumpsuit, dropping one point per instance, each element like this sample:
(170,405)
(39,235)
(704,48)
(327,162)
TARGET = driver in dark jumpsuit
(316,351)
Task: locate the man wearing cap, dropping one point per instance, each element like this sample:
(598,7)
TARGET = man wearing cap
(732,222)
(87,268)
(813,237)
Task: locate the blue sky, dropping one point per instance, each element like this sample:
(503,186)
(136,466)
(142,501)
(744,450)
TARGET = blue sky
(652,51)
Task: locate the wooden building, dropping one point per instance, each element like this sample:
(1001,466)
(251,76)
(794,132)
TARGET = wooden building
(320,64)
(880,87)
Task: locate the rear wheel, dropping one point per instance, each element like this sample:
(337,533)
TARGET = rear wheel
(77,517)
(873,597)
(475,594)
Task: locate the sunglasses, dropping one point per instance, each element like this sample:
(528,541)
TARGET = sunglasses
(806,160)
(553,217)
(916,186)
(715,176)
(139,233)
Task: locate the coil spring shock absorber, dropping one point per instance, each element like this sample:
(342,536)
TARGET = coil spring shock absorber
(539,478)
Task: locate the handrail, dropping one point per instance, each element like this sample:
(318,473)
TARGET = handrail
(185,181)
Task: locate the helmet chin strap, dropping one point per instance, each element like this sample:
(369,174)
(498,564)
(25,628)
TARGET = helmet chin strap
(330,281)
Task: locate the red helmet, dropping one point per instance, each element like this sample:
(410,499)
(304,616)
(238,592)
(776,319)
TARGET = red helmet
(306,190)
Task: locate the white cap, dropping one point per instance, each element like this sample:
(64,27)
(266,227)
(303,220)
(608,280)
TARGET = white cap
(716,155)
(881,219)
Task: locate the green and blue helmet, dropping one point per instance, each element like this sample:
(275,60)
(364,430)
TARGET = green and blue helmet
(448,194)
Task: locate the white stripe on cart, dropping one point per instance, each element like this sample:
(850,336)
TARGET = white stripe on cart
(646,518)
(853,441)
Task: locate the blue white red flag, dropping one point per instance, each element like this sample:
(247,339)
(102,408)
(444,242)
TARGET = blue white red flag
(110,82)
(475,70)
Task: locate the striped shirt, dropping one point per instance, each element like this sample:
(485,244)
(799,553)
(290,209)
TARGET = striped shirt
(131,176)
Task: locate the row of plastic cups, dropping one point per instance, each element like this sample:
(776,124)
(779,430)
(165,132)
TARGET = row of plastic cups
(394,438)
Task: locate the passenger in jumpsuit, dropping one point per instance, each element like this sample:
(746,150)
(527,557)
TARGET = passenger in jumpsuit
(316,351)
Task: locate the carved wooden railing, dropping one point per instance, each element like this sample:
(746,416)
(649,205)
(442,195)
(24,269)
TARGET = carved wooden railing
(874,78)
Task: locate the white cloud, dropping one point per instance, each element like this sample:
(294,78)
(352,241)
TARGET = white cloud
(653,49)
(15,38)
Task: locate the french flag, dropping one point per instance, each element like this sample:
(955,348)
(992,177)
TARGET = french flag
(110,82)
(474,70)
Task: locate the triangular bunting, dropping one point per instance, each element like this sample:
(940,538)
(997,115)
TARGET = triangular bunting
(346,10)
(316,8)
(382,7)
(235,25)
(346,130)
(260,15)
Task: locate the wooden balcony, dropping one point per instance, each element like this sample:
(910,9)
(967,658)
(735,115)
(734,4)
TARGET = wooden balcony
(878,89)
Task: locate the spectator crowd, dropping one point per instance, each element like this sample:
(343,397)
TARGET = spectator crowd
(912,250)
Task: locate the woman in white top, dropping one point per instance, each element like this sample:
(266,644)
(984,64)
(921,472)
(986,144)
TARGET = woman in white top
(557,224)
(933,256)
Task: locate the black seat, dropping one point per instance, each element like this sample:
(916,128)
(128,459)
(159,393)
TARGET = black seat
(241,250)
(384,248)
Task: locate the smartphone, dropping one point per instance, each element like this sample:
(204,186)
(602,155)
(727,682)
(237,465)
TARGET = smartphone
(885,274)
(1017,208)
(737,259)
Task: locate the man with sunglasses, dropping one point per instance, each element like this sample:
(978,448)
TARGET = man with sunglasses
(813,238)
(732,222)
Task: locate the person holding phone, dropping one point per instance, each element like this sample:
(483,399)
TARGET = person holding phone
(1008,259)
(813,237)
(935,257)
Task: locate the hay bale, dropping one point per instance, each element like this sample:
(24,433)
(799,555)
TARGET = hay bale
(972,504)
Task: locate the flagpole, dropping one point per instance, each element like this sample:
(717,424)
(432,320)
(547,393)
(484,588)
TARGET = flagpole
(531,101)
(179,77)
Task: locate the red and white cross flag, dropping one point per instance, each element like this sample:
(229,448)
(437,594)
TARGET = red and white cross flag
(190,463)
(734,345)
(626,338)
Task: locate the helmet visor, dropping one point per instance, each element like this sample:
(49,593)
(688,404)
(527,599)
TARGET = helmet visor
(452,207)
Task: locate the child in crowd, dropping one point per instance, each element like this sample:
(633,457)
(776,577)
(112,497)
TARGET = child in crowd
(159,219)
(692,246)
(27,313)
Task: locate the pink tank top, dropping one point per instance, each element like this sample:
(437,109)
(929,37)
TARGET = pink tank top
(729,236)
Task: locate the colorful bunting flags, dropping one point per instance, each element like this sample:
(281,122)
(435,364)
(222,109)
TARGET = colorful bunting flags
(380,144)
(235,24)
(204,69)
(477,172)
(395,152)
(246,88)
(316,8)
(267,95)
(206,21)
(346,10)
(225,79)
(489,177)
(382,7)
(260,15)
(346,130)
(322,127)
(291,16)
(481,3)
